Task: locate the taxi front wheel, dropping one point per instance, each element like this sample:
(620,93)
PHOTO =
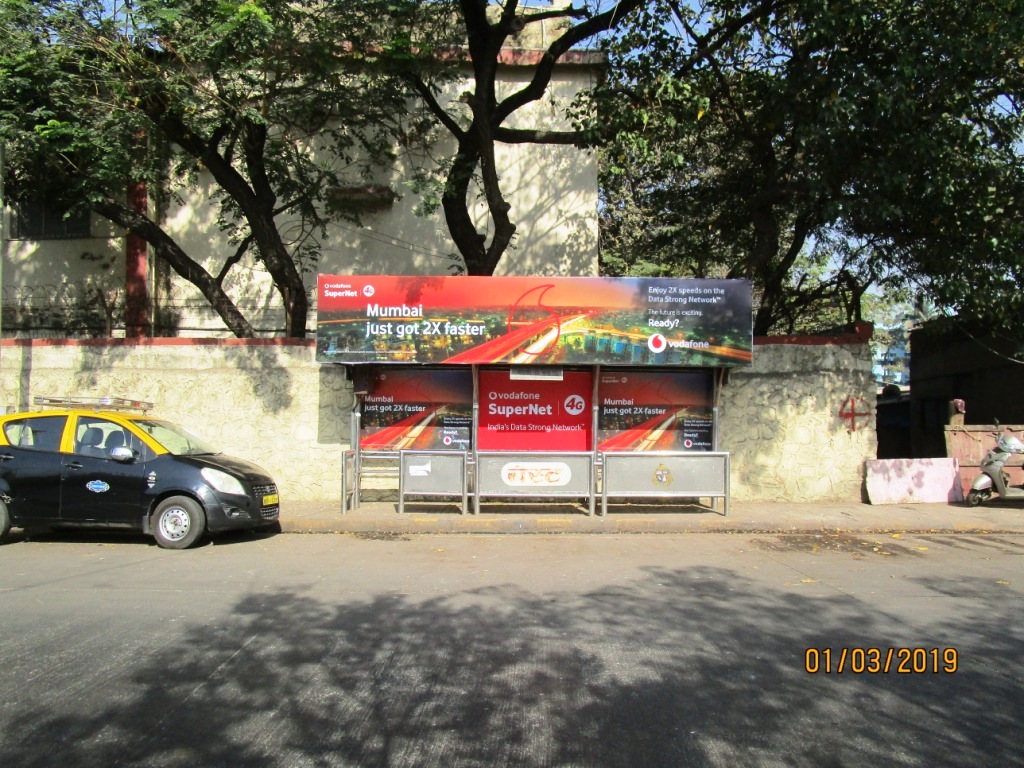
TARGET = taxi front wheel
(178,522)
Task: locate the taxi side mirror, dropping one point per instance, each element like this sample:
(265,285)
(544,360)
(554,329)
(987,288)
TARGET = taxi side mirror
(123,454)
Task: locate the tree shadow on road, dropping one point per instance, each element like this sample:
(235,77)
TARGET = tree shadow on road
(689,667)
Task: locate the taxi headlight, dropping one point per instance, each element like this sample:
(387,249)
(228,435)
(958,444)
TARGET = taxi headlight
(222,481)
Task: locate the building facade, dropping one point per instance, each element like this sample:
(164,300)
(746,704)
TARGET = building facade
(68,277)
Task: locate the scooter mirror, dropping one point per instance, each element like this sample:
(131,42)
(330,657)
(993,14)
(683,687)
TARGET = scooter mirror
(1011,444)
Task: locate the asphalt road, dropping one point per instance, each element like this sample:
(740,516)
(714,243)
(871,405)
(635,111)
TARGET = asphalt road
(462,650)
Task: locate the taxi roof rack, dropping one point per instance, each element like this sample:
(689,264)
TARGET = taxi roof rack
(96,403)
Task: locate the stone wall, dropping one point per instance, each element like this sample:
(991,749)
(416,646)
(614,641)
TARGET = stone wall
(790,421)
(264,401)
(800,422)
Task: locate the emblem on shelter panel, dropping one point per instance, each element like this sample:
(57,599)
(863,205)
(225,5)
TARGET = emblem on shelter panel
(662,475)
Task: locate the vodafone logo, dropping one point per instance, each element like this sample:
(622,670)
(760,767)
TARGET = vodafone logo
(368,291)
(574,405)
(657,343)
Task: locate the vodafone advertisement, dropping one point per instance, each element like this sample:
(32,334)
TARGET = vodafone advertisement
(535,415)
(655,411)
(418,409)
(534,320)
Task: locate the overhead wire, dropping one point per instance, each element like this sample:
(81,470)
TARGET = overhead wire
(395,241)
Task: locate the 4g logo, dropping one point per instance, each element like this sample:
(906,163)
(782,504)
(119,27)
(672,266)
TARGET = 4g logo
(574,405)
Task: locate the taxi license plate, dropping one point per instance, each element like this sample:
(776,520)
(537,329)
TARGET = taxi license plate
(270,500)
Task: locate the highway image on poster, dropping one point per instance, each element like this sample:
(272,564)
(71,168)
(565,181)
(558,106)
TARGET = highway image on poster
(534,320)
(418,409)
(655,410)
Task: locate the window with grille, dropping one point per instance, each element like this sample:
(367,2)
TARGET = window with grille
(42,219)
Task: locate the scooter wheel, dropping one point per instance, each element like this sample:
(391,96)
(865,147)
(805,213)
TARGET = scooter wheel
(975,497)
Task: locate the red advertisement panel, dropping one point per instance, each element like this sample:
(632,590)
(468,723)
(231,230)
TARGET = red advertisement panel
(655,411)
(535,415)
(418,409)
(534,320)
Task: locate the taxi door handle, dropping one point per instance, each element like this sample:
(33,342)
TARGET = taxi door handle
(75,465)
(6,456)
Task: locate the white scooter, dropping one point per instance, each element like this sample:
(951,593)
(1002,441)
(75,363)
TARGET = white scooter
(992,478)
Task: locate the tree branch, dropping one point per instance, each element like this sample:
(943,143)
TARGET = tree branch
(723,33)
(574,35)
(171,252)
(524,136)
(435,107)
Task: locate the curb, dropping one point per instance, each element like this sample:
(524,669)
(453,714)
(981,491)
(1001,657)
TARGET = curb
(771,519)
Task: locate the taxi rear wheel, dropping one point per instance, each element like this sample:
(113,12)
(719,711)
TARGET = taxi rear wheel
(5,521)
(178,522)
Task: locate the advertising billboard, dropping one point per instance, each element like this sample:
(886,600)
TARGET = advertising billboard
(417,408)
(534,320)
(535,415)
(644,410)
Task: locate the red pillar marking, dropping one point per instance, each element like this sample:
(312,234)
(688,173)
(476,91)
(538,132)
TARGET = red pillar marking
(136,271)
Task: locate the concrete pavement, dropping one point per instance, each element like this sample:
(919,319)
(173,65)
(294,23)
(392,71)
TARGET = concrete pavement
(382,517)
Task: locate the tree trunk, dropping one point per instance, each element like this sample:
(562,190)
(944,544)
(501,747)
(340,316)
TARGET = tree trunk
(171,252)
(254,197)
(471,244)
(286,277)
(257,202)
(480,258)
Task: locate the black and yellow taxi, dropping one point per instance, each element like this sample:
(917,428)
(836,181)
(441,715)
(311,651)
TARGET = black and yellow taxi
(80,462)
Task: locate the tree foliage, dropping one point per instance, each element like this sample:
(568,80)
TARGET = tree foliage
(824,147)
(814,146)
(277,102)
(478,31)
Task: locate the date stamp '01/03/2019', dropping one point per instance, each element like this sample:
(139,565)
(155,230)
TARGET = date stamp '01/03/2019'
(902,661)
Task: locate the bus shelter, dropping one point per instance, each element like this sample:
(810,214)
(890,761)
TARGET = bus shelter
(580,388)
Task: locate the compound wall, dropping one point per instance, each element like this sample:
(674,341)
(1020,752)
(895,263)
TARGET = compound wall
(799,423)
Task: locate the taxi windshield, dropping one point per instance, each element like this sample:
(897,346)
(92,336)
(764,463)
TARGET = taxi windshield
(175,439)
